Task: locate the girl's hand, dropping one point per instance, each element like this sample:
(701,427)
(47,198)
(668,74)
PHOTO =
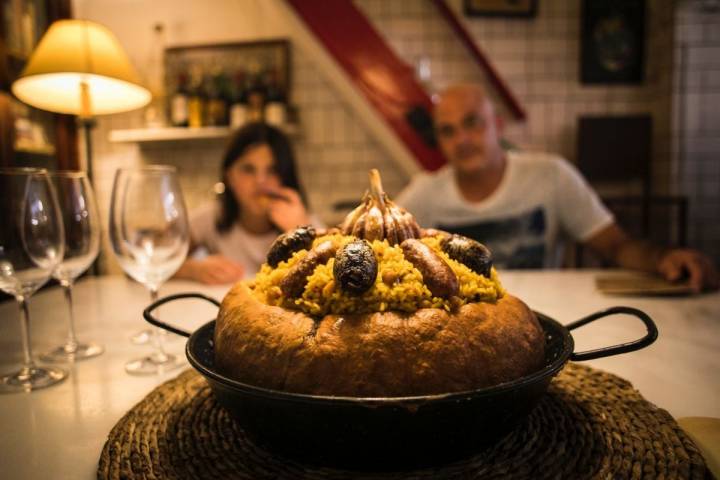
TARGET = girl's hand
(286,209)
(212,270)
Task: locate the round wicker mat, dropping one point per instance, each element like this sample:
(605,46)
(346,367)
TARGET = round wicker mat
(591,424)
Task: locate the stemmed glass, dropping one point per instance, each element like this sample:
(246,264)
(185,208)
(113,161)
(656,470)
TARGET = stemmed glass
(150,238)
(31,247)
(81,223)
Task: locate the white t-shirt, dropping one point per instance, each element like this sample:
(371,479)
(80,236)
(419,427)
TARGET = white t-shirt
(540,201)
(247,249)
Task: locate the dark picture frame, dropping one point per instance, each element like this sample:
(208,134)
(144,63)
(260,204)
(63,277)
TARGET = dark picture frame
(500,8)
(250,57)
(612,42)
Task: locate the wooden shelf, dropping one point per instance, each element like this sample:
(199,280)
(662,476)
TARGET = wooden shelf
(178,134)
(36,149)
(169,134)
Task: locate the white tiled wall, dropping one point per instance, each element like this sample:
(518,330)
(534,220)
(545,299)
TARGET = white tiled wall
(696,98)
(335,151)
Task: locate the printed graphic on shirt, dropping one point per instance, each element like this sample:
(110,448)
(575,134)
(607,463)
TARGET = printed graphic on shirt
(516,242)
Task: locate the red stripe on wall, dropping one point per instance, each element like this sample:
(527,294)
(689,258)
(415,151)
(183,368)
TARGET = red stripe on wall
(387,82)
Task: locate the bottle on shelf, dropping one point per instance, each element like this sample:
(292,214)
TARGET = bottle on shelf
(239,102)
(28,25)
(197,100)
(255,93)
(275,111)
(179,113)
(216,113)
(155,77)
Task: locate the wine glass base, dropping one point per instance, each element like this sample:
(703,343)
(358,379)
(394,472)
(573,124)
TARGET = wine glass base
(153,364)
(33,378)
(67,353)
(142,337)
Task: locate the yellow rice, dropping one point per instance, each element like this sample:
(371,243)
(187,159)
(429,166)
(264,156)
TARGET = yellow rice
(407,293)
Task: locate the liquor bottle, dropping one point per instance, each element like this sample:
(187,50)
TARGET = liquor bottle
(197,100)
(155,111)
(179,102)
(238,104)
(255,93)
(276,100)
(216,113)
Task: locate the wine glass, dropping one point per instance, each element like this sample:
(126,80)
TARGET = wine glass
(81,223)
(150,238)
(31,247)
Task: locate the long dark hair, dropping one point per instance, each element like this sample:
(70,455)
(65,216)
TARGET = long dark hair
(249,136)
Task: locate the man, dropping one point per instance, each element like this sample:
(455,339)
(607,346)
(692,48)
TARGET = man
(522,204)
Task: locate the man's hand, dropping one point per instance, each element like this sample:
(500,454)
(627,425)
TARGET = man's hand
(614,244)
(212,270)
(675,263)
(286,210)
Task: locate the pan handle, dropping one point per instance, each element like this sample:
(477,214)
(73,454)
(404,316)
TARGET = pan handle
(147,313)
(650,337)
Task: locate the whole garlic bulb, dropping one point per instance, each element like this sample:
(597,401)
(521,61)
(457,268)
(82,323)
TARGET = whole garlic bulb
(379,218)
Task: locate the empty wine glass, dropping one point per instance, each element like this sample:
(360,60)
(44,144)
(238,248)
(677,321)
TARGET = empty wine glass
(82,244)
(31,247)
(150,238)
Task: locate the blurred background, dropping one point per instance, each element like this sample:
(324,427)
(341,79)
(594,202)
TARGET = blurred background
(628,91)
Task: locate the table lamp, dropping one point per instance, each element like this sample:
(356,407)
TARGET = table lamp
(80,68)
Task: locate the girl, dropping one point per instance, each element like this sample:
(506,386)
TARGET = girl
(262,199)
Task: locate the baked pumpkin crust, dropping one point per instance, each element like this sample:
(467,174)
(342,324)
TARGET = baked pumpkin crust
(384,354)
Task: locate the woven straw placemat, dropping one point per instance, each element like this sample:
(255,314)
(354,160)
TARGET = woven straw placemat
(591,424)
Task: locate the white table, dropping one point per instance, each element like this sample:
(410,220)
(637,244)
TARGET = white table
(59,432)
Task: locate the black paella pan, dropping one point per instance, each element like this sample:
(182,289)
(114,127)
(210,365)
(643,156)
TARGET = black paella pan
(394,432)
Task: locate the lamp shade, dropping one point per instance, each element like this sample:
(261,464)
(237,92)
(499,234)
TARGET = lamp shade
(80,68)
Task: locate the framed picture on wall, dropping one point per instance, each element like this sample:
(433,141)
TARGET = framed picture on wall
(500,8)
(612,43)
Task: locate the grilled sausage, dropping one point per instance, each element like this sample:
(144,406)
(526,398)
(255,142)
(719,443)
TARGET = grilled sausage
(433,232)
(355,267)
(296,278)
(321,232)
(288,243)
(437,274)
(467,251)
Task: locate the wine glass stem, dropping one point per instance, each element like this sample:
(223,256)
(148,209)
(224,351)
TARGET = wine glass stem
(158,337)
(71,343)
(28,364)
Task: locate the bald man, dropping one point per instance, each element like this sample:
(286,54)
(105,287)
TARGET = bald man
(523,205)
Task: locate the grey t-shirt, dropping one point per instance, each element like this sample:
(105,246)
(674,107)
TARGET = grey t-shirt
(541,200)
